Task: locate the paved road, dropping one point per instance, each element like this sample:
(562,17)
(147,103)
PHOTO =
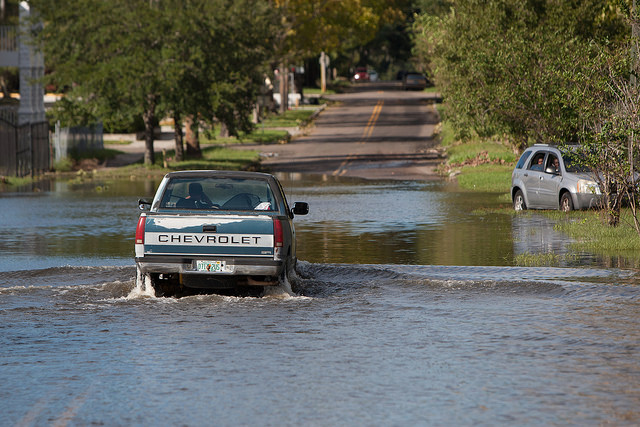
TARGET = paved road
(376,132)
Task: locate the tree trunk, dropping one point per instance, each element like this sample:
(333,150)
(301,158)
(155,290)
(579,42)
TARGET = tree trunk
(148,117)
(4,86)
(224,130)
(614,205)
(193,143)
(177,133)
(284,87)
(633,205)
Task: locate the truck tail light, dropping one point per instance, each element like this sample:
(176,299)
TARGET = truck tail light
(278,236)
(140,230)
(278,239)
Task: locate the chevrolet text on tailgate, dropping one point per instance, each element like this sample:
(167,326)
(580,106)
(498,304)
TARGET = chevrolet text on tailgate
(216,230)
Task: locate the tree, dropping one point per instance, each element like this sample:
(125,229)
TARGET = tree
(220,49)
(542,71)
(108,54)
(9,76)
(609,140)
(150,58)
(309,27)
(507,67)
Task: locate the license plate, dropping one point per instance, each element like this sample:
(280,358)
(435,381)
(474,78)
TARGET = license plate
(212,266)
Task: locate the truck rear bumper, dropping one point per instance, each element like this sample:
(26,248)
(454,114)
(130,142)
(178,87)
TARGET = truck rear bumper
(234,266)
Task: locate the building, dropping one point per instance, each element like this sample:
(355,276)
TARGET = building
(24,134)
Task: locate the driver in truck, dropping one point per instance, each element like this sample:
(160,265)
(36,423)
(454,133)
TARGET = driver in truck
(196,197)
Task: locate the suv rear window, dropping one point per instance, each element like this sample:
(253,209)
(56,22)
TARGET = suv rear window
(523,159)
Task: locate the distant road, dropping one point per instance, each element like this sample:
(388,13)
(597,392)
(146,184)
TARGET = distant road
(377,131)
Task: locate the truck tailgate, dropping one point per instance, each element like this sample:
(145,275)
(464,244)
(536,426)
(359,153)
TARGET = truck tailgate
(213,235)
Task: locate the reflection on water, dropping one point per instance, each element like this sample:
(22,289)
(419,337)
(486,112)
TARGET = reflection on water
(351,221)
(73,224)
(400,223)
(535,234)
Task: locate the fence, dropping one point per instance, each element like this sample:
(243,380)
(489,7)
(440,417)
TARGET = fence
(9,114)
(77,138)
(8,38)
(24,150)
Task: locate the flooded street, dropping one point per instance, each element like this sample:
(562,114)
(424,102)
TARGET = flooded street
(409,311)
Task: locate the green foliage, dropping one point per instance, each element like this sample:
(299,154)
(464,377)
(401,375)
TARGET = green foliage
(70,113)
(308,27)
(609,144)
(543,71)
(63,165)
(132,59)
(74,112)
(509,67)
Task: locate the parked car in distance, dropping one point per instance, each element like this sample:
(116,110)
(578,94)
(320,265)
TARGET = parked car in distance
(547,178)
(416,81)
(216,230)
(373,75)
(361,75)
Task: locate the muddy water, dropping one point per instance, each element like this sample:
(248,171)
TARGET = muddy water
(408,311)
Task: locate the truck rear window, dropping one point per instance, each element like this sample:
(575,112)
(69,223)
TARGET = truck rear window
(218,194)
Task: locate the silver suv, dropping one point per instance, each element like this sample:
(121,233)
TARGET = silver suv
(545,178)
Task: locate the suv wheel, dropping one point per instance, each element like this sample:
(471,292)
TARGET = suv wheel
(566,204)
(518,202)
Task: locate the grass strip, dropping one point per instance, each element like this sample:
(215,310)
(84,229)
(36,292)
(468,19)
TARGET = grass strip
(213,158)
(488,178)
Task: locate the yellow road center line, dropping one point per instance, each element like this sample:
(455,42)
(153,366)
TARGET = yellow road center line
(368,130)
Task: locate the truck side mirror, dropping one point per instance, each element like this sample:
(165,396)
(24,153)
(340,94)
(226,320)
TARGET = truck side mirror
(144,204)
(300,208)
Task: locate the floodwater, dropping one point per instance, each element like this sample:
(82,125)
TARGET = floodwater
(408,311)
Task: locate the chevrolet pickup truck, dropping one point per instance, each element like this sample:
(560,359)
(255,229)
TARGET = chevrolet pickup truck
(216,230)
